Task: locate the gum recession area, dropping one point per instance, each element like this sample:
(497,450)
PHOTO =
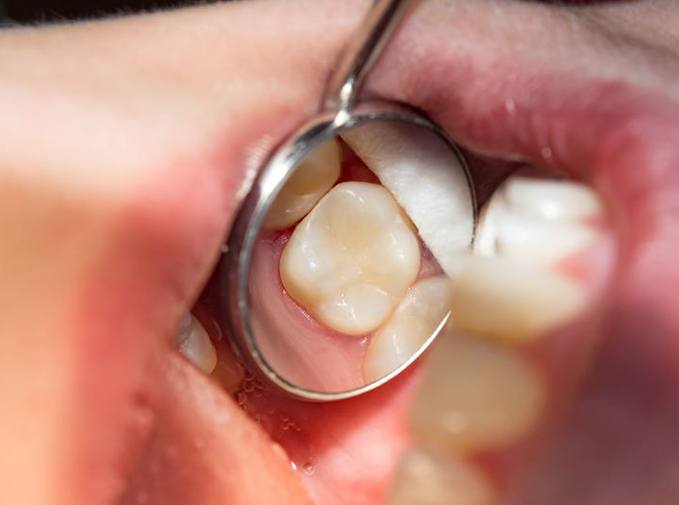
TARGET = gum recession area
(291,339)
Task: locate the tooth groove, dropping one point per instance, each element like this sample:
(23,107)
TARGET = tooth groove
(537,221)
(351,259)
(416,318)
(427,180)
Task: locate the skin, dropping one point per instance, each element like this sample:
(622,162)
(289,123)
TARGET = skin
(126,144)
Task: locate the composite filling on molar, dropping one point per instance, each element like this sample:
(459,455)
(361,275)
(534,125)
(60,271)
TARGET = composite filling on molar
(366,265)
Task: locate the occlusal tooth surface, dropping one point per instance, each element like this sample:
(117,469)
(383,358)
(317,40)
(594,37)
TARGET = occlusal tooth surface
(475,396)
(351,259)
(537,221)
(417,317)
(428,181)
(423,478)
(306,186)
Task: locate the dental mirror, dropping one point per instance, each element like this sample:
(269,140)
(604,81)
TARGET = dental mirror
(335,276)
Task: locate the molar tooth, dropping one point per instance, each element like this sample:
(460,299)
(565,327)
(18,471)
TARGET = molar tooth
(501,299)
(194,343)
(351,259)
(417,317)
(537,221)
(475,396)
(427,479)
(427,180)
(306,186)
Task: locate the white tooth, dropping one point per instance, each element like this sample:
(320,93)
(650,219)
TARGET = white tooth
(351,259)
(426,179)
(536,221)
(194,343)
(313,178)
(426,479)
(552,199)
(421,312)
(506,300)
(475,396)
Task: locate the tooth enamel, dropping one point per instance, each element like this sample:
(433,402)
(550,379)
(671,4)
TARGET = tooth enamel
(537,221)
(475,396)
(505,300)
(426,179)
(307,185)
(417,317)
(195,344)
(552,199)
(351,259)
(426,479)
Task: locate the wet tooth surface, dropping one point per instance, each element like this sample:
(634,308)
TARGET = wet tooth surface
(475,396)
(417,317)
(537,221)
(195,344)
(307,185)
(552,199)
(427,180)
(426,479)
(506,300)
(351,259)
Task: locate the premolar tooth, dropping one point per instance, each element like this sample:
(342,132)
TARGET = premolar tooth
(195,344)
(417,317)
(505,300)
(537,221)
(475,396)
(307,185)
(427,180)
(426,479)
(351,259)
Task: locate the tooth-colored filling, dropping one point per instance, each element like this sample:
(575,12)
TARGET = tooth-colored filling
(194,343)
(423,478)
(417,317)
(306,186)
(351,259)
(537,221)
(475,396)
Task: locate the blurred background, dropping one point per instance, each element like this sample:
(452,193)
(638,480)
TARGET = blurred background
(32,11)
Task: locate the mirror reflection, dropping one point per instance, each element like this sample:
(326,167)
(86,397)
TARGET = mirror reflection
(350,276)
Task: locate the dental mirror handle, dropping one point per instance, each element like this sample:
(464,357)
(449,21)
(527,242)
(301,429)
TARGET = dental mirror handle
(362,52)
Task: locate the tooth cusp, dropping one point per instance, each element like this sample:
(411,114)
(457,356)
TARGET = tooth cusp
(537,221)
(351,258)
